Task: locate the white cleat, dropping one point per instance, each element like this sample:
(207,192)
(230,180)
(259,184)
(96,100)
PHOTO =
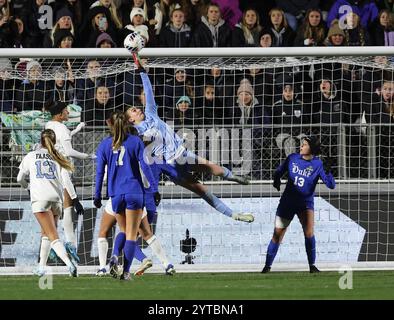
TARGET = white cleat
(40,272)
(245,217)
(101,272)
(146,264)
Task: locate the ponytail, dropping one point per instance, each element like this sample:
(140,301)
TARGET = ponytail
(48,140)
(118,129)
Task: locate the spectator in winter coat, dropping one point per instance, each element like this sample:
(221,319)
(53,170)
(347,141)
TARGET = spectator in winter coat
(266,38)
(63,21)
(212,31)
(137,18)
(382,30)
(230,11)
(247,32)
(177,34)
(283,34)
(184,114)
(355,34)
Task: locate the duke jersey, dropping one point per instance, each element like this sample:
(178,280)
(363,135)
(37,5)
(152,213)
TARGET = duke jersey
(123,167)
(166,144)
(47,177)
(303,176)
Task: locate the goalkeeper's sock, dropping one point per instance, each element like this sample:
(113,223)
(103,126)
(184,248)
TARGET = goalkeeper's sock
(102,244)
(158,250)
(60,250)
(310,247)
(215,202)
(138,254)
(44,251)
(68,226)
(271,253)
(129,250)
(119,244)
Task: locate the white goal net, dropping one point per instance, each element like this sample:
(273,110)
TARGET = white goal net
(241,108)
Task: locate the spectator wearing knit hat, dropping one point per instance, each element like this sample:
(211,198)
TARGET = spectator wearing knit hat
(335,36)
(184,113)
(63,21)
(138,19)
(266,38)
(247,109)
(78,9)
(63,38)
(104,40)
(176,34)
(98,21)
(33,92)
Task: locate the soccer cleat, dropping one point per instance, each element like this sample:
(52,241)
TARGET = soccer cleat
(40,271)
(53,256)
(313,269)
(245,217)
(72,251)
(113,267)
(101,272)
(73,270)
(239,179)
(125,276)
(146,264)
(266,269)
(170,270)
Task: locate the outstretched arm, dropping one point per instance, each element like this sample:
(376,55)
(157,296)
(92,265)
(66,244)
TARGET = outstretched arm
(70,152)
(327,178)
(151,106)
(79,127)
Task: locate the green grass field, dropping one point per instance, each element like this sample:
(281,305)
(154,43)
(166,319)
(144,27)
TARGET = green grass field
(248,286)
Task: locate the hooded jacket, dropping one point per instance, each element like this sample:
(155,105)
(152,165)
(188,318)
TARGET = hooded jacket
(207,35)
(171,37)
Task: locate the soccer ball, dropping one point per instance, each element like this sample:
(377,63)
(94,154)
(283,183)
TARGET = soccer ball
(134,42)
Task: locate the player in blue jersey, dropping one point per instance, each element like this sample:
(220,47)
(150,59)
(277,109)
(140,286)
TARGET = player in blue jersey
(123,154)
(166,149)
(304,170)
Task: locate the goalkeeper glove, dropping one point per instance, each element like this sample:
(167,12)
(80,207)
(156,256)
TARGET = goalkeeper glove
(97,202)
(327,164)
(157,198)
(78,206)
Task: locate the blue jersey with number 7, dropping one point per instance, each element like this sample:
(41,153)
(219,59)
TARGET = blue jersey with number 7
(123,167)
(303,176)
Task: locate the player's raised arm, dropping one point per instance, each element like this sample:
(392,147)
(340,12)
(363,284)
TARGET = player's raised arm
(327,178)
(69,151)
(150,107)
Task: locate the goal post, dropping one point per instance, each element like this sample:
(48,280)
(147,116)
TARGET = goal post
(243,108)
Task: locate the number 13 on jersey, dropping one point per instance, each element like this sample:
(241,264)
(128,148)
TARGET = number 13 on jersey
(299,181)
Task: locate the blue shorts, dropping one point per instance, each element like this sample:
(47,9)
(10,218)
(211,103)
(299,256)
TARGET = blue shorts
(129,201)
(287,209)
(181,168)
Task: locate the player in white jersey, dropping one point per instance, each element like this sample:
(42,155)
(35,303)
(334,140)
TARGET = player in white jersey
(60,114)
(48,171)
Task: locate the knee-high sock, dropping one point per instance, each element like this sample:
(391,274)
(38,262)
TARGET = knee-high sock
(68,226)
(158,250)
(44,251)
(119,244)
(102,244)
(215,202)
(138,254)
(129,249)
(58,246)
(271,253)
(310,247)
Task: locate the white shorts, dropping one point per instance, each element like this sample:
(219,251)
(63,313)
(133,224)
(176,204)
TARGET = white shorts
(281,223)
(108,209)
(44,206)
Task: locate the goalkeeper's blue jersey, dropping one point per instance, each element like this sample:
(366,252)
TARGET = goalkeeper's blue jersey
(303,176)
(123,167)
(166,144)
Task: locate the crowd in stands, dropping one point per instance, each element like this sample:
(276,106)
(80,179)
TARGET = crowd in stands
(323,93)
